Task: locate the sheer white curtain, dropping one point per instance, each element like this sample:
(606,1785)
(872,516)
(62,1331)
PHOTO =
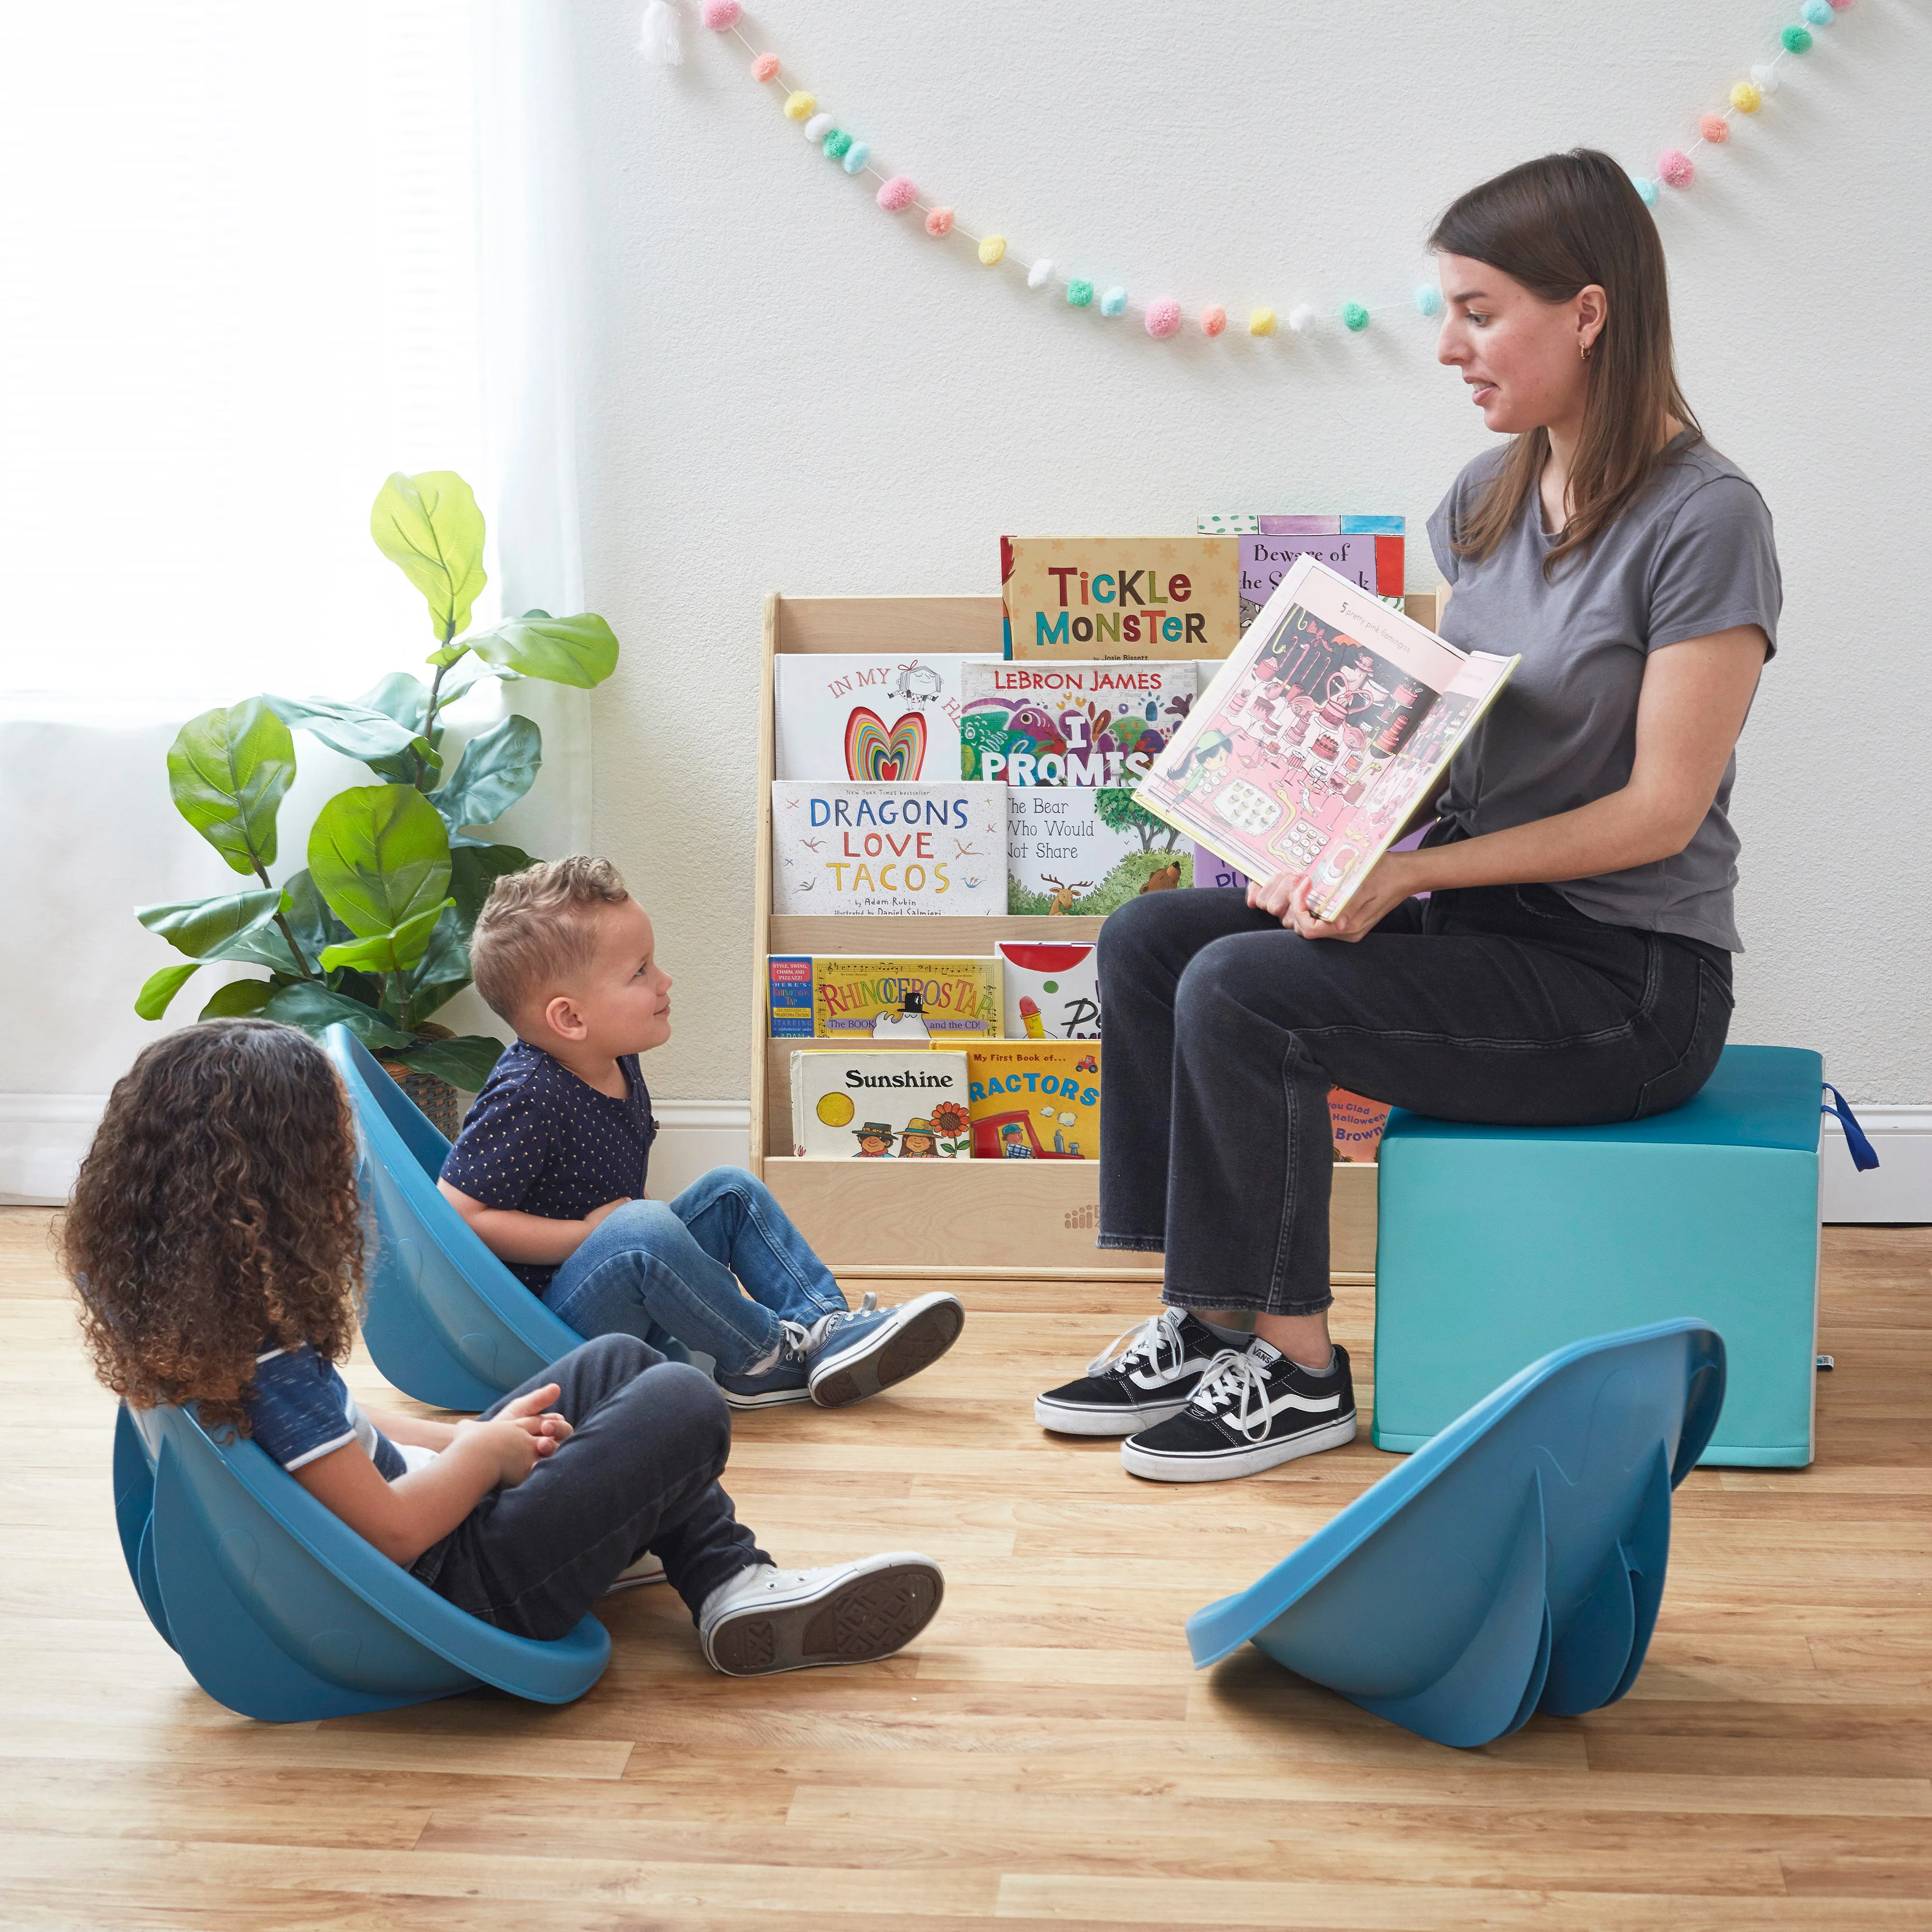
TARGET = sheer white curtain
(246,250)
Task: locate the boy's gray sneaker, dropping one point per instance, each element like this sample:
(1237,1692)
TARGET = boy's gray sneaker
(766,1619)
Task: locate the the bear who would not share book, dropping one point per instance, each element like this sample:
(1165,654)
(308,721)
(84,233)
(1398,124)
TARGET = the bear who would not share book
(839,847)
(873,1104)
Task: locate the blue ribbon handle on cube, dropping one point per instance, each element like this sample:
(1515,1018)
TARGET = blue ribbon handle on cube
(1864,1154)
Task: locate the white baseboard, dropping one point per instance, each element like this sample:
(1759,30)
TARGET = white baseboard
(42,1137)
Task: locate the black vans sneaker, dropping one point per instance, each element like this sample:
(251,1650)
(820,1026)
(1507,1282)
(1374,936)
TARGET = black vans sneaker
(1143,1377)
(1254,1409)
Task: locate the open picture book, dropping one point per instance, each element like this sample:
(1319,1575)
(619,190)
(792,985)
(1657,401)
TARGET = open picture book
(1331,721)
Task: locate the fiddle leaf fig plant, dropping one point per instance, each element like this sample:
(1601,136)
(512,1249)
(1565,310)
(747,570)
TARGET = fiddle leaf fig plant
(375,931)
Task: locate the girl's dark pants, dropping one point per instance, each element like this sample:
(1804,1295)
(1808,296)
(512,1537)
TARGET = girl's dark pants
(1225,1030)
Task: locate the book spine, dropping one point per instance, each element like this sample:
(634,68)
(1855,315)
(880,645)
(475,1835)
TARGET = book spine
(791,996)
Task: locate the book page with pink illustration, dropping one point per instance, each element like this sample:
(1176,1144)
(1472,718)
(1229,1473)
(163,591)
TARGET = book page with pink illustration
(1332,719)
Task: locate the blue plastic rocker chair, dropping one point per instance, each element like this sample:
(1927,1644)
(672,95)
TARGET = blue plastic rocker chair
(281,1612)
(1515,1563)
(447,1322)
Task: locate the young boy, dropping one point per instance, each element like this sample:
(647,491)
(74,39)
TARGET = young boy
(549,1169)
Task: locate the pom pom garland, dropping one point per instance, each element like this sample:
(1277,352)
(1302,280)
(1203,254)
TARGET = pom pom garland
(1213,318)
(800,106)
(721,15)
(1715,129)
(1674,169)
(1299,317)
(897,193)
(818,127)
(1163,317)
(1354,318)
(1261,322)
(939,222)
(657,37)
(1818,12)
(1113,302)
(764,67)
(1764,78)
(855,157)
(1428,299)
(1646,188)
(1041,273)
(836,142)
(1079,293)
(1746,98)
(992,249)
(1797,40)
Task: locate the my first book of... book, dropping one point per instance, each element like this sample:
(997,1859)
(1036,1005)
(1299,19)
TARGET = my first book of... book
(864,1103)
(878,718)
(841,847)
(1120,597)
(1035,1099)
(1320,737)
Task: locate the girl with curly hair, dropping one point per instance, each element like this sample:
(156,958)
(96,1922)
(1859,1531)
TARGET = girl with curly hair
(216,1239)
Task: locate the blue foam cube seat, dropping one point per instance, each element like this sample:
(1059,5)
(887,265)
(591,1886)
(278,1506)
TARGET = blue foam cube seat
(1515,1564)
(281,1612)
(1495,1245)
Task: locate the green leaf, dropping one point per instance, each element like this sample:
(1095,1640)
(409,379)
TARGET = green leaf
(466,1061)
(360,731)
(238,998)
(399,696)
(227,771)
(495,769)
(310,918)
(444,970)
(314,1008)
(429,526)
(393,951)
(151,1001)
(204,929)
(581,650)
(379,855)
(474,869)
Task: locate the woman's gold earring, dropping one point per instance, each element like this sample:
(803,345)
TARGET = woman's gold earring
(1583,350)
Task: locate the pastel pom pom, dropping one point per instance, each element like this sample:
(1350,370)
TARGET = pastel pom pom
(1299,317)
(897,193)
(1040,273)
(836,142)
(855,157)
(1764,78)
(1428,299)
(1796,39)
(1261,322)
(1214,319)
(1746,98)
(1079,293)
(1818,12)
(1113,302)
(1715,129)
(800,106)
(1163,317)
(939,221)
(992,249)
(818,127)
(1355,318)
(764,67)
(721,15)
(1646,189)
(1674,169)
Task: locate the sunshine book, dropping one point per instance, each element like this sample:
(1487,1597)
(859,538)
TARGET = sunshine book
(1319,737)
(869,1103)
(1120,597)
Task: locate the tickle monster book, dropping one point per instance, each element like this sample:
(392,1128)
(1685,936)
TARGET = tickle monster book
(887,848)
(1120,597)
(835,996)
(866,717)
(1035,1100)
(1069,724)
(868,1104)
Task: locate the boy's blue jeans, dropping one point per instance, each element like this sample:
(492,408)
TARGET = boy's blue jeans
(674,1273)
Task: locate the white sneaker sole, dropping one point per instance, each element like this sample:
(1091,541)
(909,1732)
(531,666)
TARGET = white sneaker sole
(1065,1418)
(865,1611)
(1225,1467)
(766,1399)
(647,1569)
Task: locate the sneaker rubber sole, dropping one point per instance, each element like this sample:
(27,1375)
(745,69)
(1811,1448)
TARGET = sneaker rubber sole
(1223,1468)
(858,1621)
(1065,1418)
(874,1364)
(765,1398)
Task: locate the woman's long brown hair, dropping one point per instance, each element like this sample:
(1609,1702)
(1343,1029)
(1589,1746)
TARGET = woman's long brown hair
(216,1214)
(1556,225)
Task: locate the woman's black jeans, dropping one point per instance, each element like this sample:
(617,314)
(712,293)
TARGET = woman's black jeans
(1225,1030)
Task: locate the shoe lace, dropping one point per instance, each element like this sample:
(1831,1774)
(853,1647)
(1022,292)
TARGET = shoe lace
(1153,1344)
(1237,1383)
(796,1340)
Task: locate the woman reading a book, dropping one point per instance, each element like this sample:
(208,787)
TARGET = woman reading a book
(1571,963)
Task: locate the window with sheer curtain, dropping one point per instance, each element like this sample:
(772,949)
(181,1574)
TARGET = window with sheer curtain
(241,287)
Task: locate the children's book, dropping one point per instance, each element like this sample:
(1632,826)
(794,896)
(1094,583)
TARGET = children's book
(1067,723)
(1211,869)
(875,718)
(1072,850)
(846,847)
(838,996)
(1368,549)
(1321,735)
(1120,597)
(1358,1125)
(1049,992)
(1035,1100)
(871,1104)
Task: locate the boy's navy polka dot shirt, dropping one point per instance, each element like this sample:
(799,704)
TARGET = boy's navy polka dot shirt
(542,1141)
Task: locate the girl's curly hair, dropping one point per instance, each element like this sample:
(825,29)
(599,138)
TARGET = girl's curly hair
(216,1214)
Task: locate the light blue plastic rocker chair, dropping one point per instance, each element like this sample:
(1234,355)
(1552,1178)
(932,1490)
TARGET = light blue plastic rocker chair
(446,1321)
(281,1612)
(1514,1563)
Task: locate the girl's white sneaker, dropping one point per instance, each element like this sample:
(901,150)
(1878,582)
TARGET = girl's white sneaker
(766,1619)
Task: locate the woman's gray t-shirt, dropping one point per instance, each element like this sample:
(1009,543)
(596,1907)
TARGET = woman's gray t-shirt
(1692,555)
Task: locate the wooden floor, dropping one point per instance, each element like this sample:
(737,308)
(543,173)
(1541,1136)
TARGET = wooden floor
(1045,1755)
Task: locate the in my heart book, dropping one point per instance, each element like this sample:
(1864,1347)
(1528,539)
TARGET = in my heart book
(875,718)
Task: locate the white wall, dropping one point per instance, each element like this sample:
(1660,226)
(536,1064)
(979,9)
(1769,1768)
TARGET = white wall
(789,389)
